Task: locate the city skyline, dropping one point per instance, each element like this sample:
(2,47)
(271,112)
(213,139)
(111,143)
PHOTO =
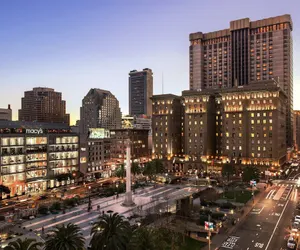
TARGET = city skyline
(62,47)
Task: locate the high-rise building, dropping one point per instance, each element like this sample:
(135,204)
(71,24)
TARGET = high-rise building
(244,53)
(297,129)
(245,125)
(6,114)
(43,105)
(100,109)
(140,92)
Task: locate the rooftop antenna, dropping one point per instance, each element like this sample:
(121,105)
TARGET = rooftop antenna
(162,83)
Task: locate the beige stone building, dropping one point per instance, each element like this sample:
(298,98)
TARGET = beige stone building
(245,125)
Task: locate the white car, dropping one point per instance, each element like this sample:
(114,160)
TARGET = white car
(297,218)
(291,243)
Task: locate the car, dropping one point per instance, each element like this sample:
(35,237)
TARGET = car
(31,217)
(295,227)
(92,222)
(43,197)
(297,218)
(291,243)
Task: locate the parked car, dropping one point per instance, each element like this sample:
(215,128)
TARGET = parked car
(291,243)
(297,218)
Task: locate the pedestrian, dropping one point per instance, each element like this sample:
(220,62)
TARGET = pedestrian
(43,230)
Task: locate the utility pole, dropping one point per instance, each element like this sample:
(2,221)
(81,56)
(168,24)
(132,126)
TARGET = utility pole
(209,233)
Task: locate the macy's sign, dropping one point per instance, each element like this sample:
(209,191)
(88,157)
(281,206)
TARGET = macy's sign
(34,131)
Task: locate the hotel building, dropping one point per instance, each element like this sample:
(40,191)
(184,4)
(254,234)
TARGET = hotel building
(243,125)
(246,52)
(34,154)
(167,126)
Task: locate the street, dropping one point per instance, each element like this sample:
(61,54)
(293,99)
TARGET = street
(266,225)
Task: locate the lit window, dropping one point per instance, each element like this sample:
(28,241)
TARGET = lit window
(265,135)
(240,121)
(264,148)
(252,154)
(195,122)
(227,147)
(201,122)
(240,134)
(240,147)
(270,120)
(270,114)
(252,114)
(227,115)
(271,128)
(258,121)
(264,121)
(252,134)
(258,114)
(227,134)
(240,115)
(252,121)
(258,148)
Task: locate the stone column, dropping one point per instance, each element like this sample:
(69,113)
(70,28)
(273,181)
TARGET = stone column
(128,196)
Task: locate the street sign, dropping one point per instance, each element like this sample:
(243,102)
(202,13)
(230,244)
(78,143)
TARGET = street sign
(208,226)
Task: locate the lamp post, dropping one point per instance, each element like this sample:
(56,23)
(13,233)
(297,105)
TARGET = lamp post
(90,202)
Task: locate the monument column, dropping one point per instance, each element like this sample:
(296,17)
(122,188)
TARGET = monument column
(128,196)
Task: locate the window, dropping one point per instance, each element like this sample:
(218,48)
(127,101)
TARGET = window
(240,147)
(271,128)
(195,122)
(252,114)
(258,148)
(252,121)
(227,147)
(252,134)
(227,115)
(270,121)
(240,134)
(227,134)
(258,121)
(240,121)
(264,121)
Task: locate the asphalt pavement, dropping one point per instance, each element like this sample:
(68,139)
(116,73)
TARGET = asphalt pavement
(264,227)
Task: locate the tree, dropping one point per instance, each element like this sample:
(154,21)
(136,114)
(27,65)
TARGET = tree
(135,168)
(144,238)
(4,189)
(65,238)
(250,173)
(228,170)
(120,171)
(26,244)
(154,167)
(110,232)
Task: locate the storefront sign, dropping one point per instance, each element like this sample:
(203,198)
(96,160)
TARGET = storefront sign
(34,131)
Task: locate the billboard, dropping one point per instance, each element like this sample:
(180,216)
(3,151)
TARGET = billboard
(98,133)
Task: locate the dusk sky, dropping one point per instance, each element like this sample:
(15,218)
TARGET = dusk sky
(74,45)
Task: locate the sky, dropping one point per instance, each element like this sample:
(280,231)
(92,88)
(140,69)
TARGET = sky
(75,45)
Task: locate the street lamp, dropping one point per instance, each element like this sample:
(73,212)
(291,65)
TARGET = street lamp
(90,202)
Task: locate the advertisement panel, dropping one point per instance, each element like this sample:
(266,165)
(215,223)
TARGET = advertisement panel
(98,133)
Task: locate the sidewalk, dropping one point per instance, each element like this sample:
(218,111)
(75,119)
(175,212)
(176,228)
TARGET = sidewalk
(218,239)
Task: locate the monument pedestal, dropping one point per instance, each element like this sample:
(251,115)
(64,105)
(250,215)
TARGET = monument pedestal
(128,202)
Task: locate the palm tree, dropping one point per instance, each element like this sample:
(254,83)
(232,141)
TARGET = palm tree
(144,238)
(65,238)
(26,244)
(110,232)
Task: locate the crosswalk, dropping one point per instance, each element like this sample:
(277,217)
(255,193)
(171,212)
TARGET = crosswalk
(282,193)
